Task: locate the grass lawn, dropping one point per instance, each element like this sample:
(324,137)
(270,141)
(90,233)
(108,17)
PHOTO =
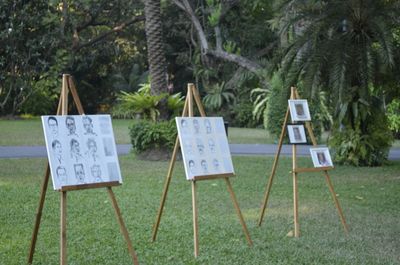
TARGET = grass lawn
(369,197)
(30,132)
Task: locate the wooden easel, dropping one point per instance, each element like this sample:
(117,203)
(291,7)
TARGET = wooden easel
(295,170)
(192,93)
(68,85)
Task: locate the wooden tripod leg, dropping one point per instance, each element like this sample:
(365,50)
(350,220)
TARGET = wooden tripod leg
(63,226)
(274,166)
(122,226)
(239,213)
(166,186)
(295,194)
(336,201)
(39,214)
(195,227)
(296,206)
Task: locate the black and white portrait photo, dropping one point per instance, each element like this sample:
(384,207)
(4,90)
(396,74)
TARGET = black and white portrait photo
(200,146)
(95,171)
(91,152)
(71,126)
(296,134)
(61,175)
(57,151)
(79,173)
(204,166)
(75,150)
(207,125)
(299,110)
(88,126)
(321,157)
(196,126)
(109,146)
(53,126)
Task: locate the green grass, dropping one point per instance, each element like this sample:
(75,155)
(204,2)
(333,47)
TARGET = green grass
(369,197)
(30,132)
(249,136)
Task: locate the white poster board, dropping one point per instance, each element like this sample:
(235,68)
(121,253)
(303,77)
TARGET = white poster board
(81,149)
(204,145)
(321,157)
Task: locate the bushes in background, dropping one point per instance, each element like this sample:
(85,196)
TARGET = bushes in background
(146,135)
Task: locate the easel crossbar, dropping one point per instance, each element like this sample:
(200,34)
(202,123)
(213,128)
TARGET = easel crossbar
(311,169)
(90,186)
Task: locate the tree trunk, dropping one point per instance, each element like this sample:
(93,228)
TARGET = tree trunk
(155,53)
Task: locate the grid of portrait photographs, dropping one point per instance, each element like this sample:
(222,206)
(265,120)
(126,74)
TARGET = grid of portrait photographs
(321,157)
(81,149)
(204,145)
(299,110)
(297,134)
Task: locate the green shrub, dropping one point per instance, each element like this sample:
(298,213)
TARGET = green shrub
(371,148)
(218,95)
(144,105)
(148,135)
(275,111)
(243,116)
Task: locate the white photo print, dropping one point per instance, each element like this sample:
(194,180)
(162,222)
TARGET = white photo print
(296,134)
(321,157)
(299,110)
(204,146)
(81,149)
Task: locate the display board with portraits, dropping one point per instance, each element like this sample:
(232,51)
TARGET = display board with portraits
(81,150)
(204,145)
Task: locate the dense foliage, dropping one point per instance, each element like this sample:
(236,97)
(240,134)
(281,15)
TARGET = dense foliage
(142,104)
(341,54)
(147,135)
(344,48)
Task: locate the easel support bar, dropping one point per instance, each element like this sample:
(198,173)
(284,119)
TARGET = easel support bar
(39,214)
(122,226)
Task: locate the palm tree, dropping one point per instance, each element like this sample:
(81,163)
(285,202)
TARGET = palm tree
(344,46)
(155,52)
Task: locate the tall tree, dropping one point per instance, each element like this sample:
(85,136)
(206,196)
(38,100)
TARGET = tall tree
(344,46)
(155,53)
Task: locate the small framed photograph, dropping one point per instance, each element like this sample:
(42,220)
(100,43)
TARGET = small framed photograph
(321,157)
(299,110)
(297,134)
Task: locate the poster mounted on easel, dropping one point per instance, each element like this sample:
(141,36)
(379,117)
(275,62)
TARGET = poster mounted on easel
(204,145)
(81,149)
